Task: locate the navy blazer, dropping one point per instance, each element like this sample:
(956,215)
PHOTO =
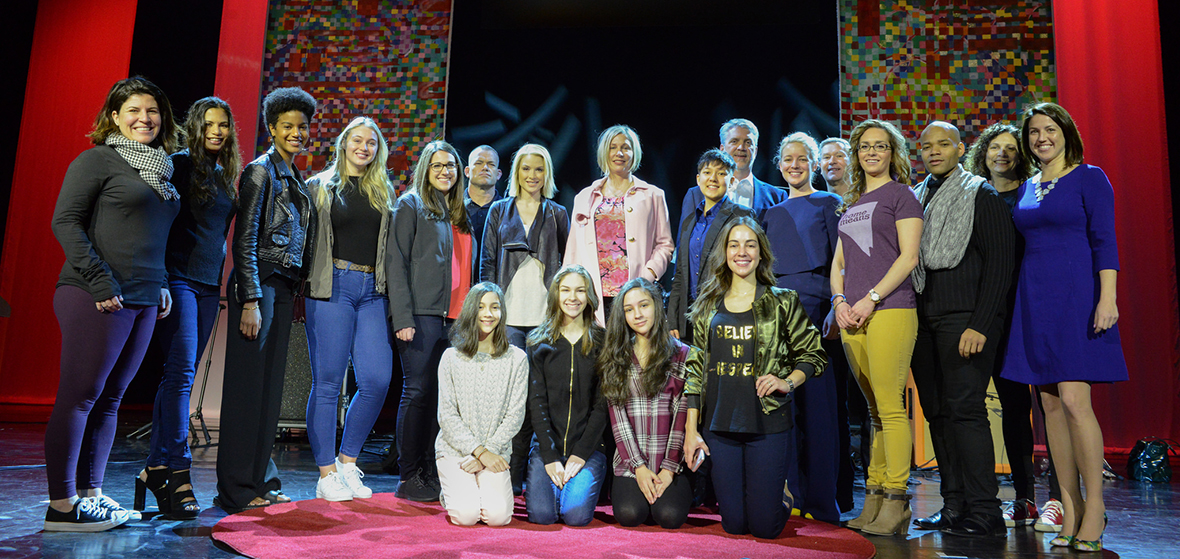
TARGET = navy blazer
(679,297)
(765,196)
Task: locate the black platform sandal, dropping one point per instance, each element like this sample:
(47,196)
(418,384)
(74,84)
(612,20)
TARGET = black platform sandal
(183,503)
(157,481)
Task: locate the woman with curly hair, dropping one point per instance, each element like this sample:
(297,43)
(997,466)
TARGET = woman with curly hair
(433,263)
(112,218)
(644,371)
(876,309)
(206,176)
(272,254)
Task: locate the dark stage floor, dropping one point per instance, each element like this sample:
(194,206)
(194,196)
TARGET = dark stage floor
(1143,516)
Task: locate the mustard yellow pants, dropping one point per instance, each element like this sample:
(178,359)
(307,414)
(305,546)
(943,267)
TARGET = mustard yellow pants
(880,352)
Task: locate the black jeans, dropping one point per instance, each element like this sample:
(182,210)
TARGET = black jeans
(252,395)
(417,413)
(952,390)
(669,511)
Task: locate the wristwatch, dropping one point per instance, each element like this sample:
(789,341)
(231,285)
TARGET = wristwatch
(874,296)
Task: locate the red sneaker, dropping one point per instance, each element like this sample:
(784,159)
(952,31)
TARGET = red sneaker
(1051,515)
(1021,512)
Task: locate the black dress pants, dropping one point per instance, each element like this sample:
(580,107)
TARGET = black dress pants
(952,390)
(252,394)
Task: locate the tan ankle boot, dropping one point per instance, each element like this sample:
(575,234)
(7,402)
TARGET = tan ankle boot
(894,516)
(873,496)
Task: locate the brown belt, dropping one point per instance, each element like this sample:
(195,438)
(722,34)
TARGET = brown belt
(346,265)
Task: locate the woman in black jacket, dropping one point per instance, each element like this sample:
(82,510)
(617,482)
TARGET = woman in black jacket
(272,254)
(205,175)
(432,267)
(112,219)
(567,465)
(524,241)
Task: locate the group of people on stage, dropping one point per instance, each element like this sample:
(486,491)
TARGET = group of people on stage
(534,342)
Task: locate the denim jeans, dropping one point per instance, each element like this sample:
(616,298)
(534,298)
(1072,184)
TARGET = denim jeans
(417,412)
(352,323)
(573,504)
(185,332)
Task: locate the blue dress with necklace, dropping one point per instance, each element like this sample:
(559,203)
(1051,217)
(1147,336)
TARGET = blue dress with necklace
(1069,236)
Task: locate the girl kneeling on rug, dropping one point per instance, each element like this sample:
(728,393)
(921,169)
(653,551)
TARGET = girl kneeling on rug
(482,384)
(644,371)
(567,466)
(760,346)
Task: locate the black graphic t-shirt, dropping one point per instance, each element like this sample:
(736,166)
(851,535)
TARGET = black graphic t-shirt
(731,397)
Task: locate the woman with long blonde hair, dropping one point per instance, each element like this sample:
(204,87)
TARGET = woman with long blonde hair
(347,307)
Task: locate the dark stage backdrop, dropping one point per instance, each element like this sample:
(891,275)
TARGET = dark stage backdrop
(558,73)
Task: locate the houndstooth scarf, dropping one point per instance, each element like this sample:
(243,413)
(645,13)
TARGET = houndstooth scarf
(950,218)
(153,164)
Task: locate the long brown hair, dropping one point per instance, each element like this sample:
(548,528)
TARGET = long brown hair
(450,206)
(550,329)
(464,333)
(977,154)
(205,163)
(123,89)
(614,360)
(899,162)
(718,277)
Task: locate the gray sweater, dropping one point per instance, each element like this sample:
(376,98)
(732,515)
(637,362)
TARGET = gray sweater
(481,401)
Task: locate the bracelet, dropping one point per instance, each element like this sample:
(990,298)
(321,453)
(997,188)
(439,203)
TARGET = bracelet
(790,385)
(832,301)
(254,308)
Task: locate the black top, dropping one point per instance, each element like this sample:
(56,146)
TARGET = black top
(355,226)
(731,397)
(566,407)
(477,215)
(979,284)
(113,228)
(196,244)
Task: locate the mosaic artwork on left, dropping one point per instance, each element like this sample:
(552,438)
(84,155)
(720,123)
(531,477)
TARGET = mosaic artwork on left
(385,59)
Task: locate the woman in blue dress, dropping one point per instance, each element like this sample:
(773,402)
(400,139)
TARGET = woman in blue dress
(1066,215)
(803,231)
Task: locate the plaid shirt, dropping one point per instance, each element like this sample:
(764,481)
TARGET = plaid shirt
(650,431)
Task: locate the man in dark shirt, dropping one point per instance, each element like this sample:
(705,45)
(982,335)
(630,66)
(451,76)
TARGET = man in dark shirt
(964,269)
(482,172)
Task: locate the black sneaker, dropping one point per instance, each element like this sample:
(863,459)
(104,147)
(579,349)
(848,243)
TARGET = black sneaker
(86,516)
(417,489)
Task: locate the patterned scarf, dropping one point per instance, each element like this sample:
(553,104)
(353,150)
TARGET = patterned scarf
(153,164)
(950,218)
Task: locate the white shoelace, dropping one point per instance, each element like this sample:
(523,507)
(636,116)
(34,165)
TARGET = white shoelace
(93,507)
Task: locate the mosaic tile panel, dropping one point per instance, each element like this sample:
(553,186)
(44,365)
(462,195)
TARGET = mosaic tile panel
(385,59)
(971,63)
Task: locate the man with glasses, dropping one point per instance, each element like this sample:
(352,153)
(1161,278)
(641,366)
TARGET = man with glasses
(964,269)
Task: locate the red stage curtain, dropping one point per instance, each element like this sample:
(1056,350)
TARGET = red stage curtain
(79,50)
(239,66)
(1110,79)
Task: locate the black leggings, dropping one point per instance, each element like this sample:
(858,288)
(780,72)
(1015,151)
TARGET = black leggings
(669,511)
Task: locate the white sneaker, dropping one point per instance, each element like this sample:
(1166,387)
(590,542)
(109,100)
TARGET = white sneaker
(331,488)
(351,476)
(117,509)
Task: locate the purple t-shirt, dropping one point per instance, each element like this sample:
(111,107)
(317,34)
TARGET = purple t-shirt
(868,234)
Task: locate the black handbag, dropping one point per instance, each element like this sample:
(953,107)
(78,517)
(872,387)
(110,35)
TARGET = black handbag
(1149,460)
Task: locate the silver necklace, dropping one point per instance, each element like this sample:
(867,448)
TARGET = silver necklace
(1041,191)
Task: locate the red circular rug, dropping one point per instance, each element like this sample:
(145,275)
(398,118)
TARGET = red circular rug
(386,526)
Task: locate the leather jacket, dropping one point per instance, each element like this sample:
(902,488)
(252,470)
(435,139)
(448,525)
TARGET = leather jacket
(276,224)
(506,245)
(785,339)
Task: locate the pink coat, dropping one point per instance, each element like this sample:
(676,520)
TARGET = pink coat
(649,234)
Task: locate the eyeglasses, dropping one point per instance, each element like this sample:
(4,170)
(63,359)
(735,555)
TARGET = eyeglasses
(436,167)
(882,147)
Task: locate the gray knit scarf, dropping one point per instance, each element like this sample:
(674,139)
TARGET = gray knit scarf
(153,164)
(950,218)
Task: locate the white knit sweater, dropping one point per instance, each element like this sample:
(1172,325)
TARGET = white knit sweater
(481,401)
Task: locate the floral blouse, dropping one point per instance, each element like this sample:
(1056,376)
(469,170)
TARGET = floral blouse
(610,229)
